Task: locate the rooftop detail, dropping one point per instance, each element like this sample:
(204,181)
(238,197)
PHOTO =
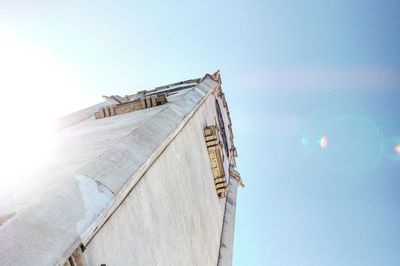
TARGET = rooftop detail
(130,106)
(143,99)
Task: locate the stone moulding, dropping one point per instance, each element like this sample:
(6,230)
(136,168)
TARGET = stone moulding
(131,106)
(235,174)
(215,154)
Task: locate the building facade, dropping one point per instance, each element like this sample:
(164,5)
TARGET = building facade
(144,179)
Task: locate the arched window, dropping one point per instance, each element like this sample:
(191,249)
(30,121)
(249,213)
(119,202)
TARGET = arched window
(222,127)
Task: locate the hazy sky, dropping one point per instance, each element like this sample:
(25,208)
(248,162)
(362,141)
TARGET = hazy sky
(293,72)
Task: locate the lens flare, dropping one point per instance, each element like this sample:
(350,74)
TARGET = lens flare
(304,141)
(357,147)
(324,142)
(397,149)
(392,148)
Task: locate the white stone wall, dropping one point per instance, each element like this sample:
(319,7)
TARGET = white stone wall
(173,215)
(228,229)
(152,163)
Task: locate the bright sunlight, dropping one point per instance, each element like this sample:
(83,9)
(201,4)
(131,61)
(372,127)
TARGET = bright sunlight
(36,88)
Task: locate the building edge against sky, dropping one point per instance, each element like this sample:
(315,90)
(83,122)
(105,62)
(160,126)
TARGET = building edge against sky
(144,179)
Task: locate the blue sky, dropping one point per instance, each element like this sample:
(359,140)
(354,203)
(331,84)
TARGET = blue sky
(293,72)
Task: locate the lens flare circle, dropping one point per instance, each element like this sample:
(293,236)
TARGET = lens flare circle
(355,144)
(323,142)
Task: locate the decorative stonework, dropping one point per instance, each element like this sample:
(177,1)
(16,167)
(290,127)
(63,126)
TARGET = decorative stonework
(215,154)
(76,258)
(131,106)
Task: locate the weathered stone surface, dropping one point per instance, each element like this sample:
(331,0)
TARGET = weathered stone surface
(134,188)
(173,215)
(114,151)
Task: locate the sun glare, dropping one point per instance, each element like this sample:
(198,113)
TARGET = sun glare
(35,89)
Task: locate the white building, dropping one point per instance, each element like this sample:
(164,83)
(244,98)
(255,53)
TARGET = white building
(145,179)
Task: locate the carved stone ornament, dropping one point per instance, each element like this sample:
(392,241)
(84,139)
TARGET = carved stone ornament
(131,106)
(215,153)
